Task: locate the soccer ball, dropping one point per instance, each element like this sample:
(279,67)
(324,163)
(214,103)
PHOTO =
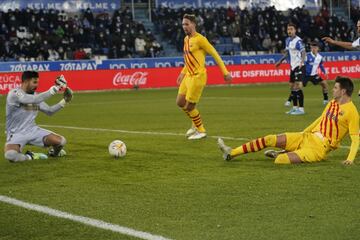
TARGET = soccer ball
(117,148)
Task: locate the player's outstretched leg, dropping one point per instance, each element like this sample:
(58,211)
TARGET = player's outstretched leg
(252,146)
(14,155)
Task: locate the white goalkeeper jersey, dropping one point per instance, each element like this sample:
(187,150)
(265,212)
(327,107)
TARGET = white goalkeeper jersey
(22,109)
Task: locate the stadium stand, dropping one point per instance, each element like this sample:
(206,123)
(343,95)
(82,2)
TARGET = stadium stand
(36,35)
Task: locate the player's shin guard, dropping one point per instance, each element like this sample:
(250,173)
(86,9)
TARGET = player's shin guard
(14,156)
(58,148)
(196,119)
(255,145)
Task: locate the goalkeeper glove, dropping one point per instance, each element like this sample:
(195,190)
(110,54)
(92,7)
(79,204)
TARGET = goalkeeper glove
(68,95)
(61,82)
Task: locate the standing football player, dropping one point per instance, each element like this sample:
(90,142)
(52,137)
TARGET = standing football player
(313,63)
(295,50)
(193,77)
(22,107)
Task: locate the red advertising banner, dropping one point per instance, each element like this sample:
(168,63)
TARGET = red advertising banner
(166,77)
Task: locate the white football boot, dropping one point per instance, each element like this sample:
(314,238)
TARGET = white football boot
(197,135)
(225,149)
(191,131)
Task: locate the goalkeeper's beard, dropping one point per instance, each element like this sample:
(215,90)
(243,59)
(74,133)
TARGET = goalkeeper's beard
(31,91)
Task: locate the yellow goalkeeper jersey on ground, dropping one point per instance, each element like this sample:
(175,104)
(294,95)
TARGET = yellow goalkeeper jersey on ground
(335,122)
(195,50)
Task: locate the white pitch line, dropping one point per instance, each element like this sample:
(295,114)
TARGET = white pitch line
(148,133)
(85,220)
(135,132)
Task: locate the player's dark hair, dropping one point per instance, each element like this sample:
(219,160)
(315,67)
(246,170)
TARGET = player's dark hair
(345,83)
(190,17)
(27,75)
(292,25)
(314,43)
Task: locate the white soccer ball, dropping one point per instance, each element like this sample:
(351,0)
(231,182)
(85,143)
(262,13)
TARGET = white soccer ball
(117,148)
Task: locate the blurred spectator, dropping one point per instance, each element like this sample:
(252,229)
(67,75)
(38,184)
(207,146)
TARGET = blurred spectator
(80,54)
(54,35)
(258,29)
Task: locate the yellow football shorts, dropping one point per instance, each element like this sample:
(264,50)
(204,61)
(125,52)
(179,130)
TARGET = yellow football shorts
(193,86)
(307,146)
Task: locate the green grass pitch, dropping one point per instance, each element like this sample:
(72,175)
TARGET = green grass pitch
(176,188)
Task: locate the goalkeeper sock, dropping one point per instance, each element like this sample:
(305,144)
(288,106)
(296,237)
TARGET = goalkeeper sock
(255,145)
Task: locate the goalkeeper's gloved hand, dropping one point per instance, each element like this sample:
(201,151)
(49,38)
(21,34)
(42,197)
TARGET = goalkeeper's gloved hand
(61,82)
(68,95)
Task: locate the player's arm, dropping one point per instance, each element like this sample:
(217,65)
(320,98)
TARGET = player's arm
(354,135)
(285,56)
(181,75)
(209,49)
(300,47)
(50,110)
(303,57)
(35,99)
(322,68)
(346,45)
(24,98)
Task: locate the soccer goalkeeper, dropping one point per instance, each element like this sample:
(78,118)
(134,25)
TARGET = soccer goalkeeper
(317,140)
(22,107)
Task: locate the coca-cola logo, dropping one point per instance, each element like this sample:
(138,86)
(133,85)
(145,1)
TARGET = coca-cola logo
(135,79)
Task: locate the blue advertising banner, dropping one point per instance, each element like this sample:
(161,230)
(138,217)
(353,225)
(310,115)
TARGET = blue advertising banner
(179,3)
(68,6)
(220,3)
(156,62)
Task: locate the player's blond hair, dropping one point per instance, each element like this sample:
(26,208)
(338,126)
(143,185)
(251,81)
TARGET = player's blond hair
(190,17)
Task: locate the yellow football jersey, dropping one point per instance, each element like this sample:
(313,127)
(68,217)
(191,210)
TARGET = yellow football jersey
(335,122)
(195,50)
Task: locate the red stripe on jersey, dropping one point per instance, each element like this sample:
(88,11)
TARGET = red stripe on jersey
(186,60)
(337,122)
(244,148)
(263,142)
(188,65)
(326,119)
(331,120)
(258,144)
(188,54)
(252,147)
(191,52)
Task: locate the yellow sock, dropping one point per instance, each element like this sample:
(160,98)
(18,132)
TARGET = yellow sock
(196,119)
(255,145)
